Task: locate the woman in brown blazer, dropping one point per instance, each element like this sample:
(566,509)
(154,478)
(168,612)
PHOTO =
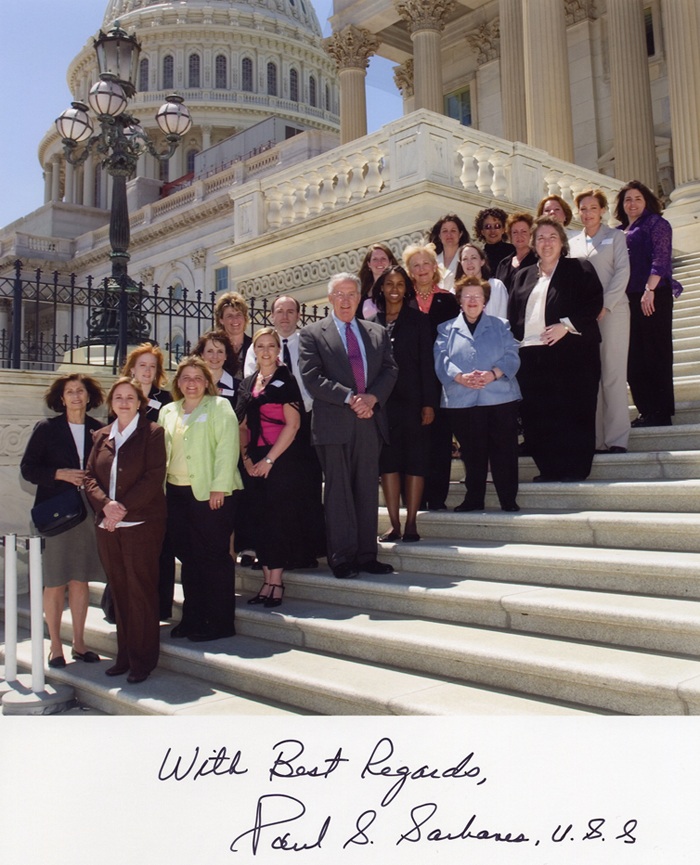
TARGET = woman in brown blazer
(124,483)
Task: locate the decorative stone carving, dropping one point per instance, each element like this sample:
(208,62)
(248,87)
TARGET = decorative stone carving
(320,271)
(403,78)
(351,47)
(14,435)
(485,41)
(199,257)
(425,14)
(579,10)
(146,275)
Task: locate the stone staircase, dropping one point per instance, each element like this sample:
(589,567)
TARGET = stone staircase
(585,602)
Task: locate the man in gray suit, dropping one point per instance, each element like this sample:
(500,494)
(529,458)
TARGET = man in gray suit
(349,371)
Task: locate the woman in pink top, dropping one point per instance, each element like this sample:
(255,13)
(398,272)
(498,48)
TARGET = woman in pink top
(269,410)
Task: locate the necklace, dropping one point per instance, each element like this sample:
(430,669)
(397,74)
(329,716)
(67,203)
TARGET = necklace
(265,378)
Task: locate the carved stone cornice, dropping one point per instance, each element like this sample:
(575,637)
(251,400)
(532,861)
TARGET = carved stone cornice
(403,78)
(425,14)
(485,41)
(351,47)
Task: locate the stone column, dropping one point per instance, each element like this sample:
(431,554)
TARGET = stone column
(48,174)
(89,182)
(547,88)
(682,31)
(56,177)
(351,49)
(513,70)
(206,137)
(403,79)
(69,188)
(425,20)
(633,124)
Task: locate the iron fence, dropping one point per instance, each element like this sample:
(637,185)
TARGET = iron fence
(49,320)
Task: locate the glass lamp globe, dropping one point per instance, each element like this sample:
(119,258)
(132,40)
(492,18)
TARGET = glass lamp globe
(107,98)
(75,124)
(173,116)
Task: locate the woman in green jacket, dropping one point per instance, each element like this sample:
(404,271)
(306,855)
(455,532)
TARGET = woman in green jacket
(201,439)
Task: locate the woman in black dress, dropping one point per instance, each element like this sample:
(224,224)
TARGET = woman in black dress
(269,410)
(412,404)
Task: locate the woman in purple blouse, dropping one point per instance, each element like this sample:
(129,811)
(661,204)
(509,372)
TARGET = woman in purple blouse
(650,358)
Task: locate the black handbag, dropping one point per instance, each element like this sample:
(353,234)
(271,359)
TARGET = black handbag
(59,513)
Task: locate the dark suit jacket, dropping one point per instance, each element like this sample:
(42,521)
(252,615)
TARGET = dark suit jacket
(574,292)
(412,346)
(140,473)
(327,375)
(50,447)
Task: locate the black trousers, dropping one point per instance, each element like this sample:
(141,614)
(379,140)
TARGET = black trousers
(559,385)
(650,356)
(200,538)
(437,481)
(488,434)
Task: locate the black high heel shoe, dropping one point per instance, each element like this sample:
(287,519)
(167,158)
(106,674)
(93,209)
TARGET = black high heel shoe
(271,600)
(260,598)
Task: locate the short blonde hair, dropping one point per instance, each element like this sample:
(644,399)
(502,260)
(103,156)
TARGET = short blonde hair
(425,249)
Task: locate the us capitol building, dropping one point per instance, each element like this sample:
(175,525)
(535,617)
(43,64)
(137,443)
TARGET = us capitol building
(505,101)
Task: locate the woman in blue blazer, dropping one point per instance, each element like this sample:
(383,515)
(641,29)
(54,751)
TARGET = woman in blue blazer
(476,359)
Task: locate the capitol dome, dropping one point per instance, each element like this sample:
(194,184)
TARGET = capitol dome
(235,62)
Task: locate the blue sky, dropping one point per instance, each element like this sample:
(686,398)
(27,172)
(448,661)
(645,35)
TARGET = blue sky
(41,37)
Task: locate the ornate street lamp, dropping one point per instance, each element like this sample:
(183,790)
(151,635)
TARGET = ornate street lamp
(120,141)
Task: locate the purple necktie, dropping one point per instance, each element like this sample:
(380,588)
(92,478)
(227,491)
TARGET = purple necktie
(355,358)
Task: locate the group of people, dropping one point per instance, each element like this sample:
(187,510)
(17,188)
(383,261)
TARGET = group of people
(412,354)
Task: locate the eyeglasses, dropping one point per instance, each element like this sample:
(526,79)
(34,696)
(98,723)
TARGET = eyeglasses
(341,295)
(473,297)
(492,227)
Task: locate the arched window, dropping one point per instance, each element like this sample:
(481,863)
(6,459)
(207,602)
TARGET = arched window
(168,72)
(272,79)
(247,74)
(312,91)
(143,75)
(193,71)
(293,85)
(190,160)
(220,69)
(163,171)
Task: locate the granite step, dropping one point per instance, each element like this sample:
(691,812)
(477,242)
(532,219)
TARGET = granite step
(565,596)
(283,679)
(629,530)
(623,680)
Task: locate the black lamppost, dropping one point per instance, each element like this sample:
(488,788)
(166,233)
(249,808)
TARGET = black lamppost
(120,140)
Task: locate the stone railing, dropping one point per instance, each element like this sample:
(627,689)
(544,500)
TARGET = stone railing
(421,147)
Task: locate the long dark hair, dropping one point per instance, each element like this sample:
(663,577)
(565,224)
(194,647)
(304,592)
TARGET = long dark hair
(378,293)
(434,235)
(652,202)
